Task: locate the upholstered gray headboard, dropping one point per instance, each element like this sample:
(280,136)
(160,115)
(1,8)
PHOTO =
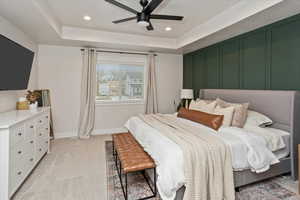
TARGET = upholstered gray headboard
(283,107)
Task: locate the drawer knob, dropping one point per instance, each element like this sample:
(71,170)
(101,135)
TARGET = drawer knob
(40,149)
(31,159)
(40,134)
(47,129)
(19,134)
(31,126)
(47,117)
(40,121)
(31,142)
(46,142)
(19,173)
(19,152)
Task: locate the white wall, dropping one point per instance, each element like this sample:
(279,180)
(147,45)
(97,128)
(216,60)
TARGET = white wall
(60,71)
(169,81)
(8,98)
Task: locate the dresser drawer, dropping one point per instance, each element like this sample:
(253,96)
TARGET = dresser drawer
(42,121)
(29,130)
(17,176)
(29,162)
(42,132)
(29,147)
(41,149)
(17,134)
(16,156)
(18,153)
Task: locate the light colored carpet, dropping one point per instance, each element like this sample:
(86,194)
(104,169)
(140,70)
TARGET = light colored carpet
(74,170)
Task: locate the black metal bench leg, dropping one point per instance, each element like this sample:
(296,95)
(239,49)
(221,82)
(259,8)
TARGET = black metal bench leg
(116,163)
(125,193)
(155,189)
(126,190)
(120,167)
(114,150)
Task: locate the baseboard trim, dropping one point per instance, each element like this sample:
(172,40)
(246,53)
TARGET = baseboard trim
(108,131)
(71,134)
(67,134)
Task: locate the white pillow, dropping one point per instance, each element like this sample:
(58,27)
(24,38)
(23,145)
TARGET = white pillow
(206,100)
(258,119)
(203,106)
(227,112)
(240,112)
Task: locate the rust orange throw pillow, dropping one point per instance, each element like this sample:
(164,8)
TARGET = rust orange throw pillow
(210,120)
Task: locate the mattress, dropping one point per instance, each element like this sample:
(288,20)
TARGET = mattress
(169,159)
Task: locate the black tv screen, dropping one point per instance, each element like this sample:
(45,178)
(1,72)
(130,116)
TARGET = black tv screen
(15,65)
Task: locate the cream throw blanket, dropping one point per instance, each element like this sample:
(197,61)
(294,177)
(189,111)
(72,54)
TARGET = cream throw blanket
(207,159)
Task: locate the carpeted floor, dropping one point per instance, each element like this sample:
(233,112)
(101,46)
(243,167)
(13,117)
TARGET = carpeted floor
(280,188)
(74,170)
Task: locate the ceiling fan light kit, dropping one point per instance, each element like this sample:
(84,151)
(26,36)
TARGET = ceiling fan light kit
(143,23)
(143,17)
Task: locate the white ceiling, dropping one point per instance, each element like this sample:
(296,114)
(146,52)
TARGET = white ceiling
(195,12)
(59,22)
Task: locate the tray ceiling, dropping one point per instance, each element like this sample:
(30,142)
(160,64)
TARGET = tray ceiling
(195,12)
(60,22)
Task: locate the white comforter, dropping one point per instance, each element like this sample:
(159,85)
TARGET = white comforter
(248,151)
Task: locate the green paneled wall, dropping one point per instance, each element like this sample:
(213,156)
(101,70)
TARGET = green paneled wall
(267,58)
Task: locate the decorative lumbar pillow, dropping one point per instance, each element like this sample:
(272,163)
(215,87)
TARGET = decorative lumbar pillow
(228,114)
(203,105)
(211,120)
(257,119)
(240,112)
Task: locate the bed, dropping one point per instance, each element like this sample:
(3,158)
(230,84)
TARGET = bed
(284,109)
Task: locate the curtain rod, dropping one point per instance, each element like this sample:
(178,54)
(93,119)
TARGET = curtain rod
(122,52)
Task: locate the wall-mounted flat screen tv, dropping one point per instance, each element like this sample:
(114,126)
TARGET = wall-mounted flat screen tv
(15,65)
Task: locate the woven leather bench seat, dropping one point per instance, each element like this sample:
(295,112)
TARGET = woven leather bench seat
(131,155)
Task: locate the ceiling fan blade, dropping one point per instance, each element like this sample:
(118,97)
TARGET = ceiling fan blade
(166,17)
(150,27)
(152,5)
(122,6)
(123,20)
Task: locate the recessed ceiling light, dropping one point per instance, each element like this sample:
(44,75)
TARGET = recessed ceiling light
(87,18)
(168,28)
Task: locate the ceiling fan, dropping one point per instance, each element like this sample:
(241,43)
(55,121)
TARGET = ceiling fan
(143,17)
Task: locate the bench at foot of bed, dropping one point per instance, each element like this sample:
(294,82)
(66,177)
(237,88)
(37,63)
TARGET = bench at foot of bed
(130,157)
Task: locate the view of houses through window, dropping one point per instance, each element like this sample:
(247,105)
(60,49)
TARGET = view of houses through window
(120,82)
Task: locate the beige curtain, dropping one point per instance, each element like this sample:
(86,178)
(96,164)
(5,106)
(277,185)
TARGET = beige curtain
(151,105)
(88,93)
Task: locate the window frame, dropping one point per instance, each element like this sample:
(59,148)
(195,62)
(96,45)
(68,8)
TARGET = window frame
(123,60)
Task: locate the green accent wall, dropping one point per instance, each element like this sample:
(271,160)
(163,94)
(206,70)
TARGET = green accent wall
(266,58)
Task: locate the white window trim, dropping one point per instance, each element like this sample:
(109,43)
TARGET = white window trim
(121,102)
(128,61)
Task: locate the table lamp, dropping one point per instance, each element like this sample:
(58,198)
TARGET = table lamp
(187,94)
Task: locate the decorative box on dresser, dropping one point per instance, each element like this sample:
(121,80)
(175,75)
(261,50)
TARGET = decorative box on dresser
(24,140)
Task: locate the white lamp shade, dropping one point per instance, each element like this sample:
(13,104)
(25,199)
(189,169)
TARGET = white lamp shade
(187,94)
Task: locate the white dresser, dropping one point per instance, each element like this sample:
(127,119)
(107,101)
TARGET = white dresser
(24,139)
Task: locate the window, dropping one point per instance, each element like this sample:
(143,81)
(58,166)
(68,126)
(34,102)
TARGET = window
(120,81)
